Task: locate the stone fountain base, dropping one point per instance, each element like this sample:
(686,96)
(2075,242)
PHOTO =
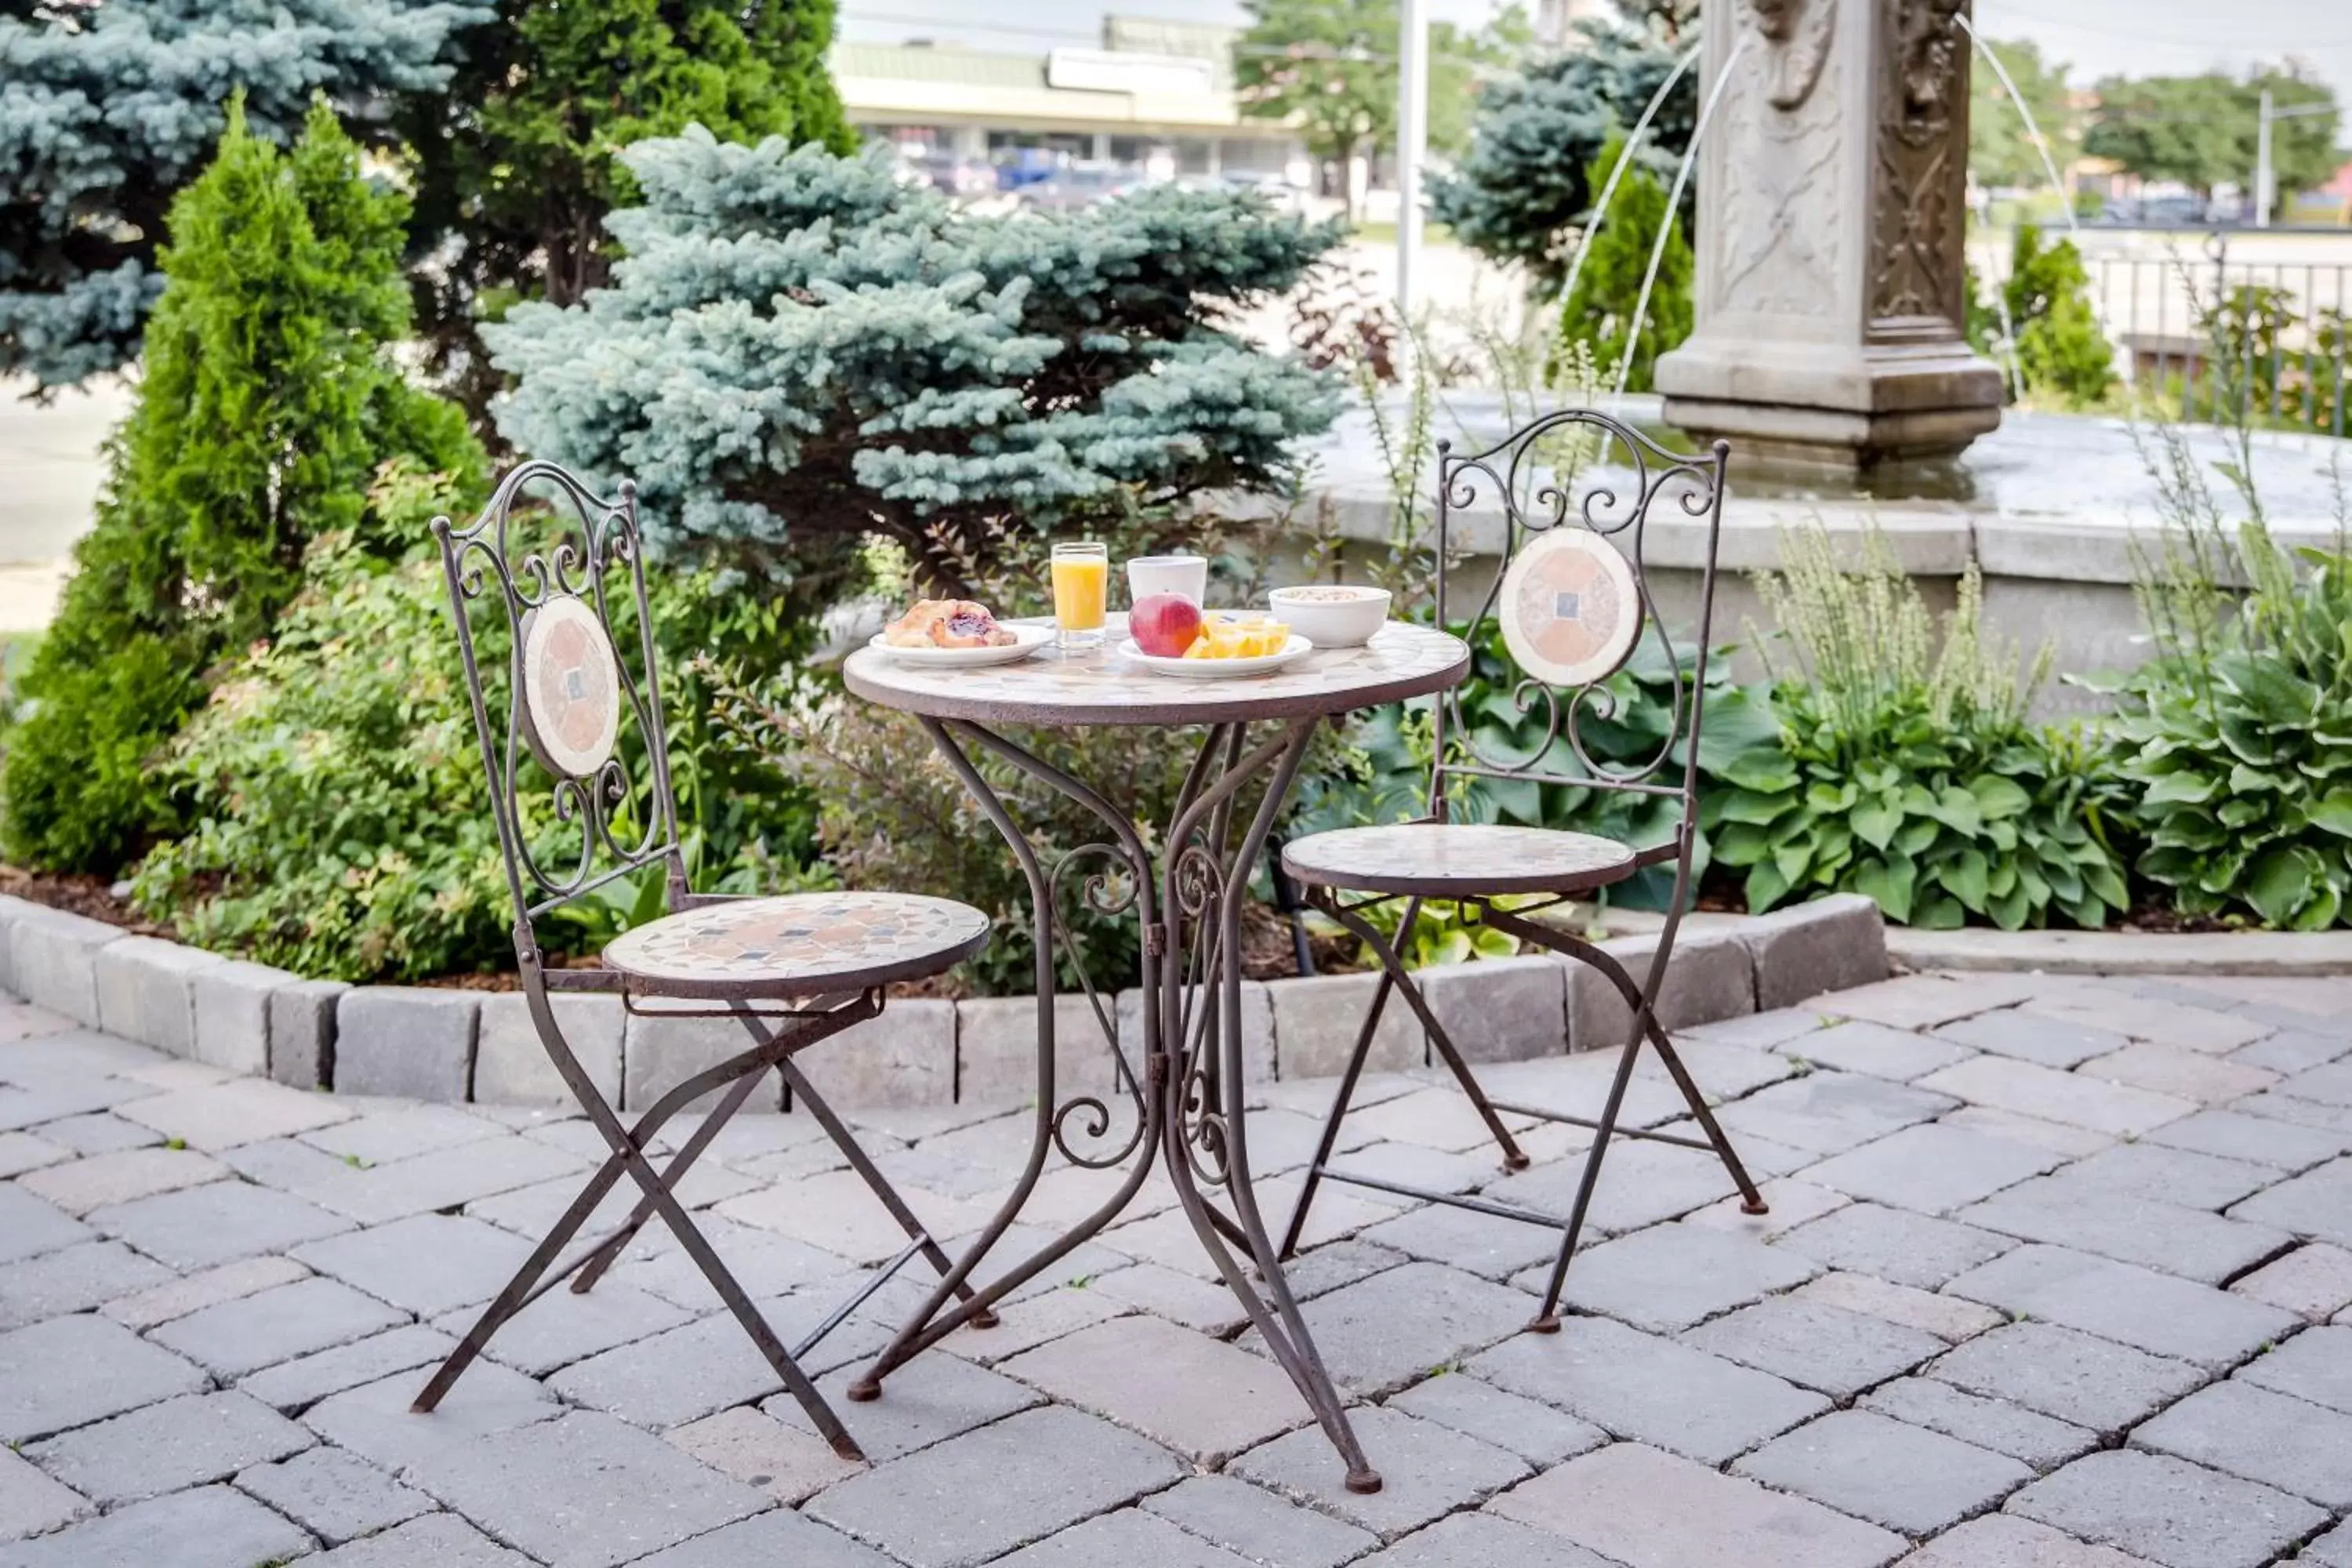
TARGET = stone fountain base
(1829,409)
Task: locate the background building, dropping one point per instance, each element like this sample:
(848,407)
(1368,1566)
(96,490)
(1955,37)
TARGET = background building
(1158,98)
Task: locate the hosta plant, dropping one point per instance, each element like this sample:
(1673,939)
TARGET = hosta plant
(2238,733)
(1907,774)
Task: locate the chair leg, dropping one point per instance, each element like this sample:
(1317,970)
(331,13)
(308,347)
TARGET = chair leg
(909,1221)
(1547,1318)
(1393,970)
(1339,1113)
(628,1158)
(609,1252)
(1751,1199)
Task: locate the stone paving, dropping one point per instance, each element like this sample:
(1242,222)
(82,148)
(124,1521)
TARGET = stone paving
(2058,1275)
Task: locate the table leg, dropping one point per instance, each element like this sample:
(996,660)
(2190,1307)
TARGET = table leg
(1088,1115)
(1205,1123)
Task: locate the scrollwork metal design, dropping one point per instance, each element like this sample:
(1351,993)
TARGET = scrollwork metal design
(1198,876)
(1112,889)
(594,538)
(1616,505)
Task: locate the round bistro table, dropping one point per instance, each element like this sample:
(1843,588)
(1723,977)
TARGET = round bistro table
(1187,1101)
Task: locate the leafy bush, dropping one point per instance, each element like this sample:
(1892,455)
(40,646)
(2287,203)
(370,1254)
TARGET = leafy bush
(2238,731)
(269,396)
(1600,309)
(2267,365)
(1911,777)
(341,826)
(2060,348)
(339,821)
(799,350)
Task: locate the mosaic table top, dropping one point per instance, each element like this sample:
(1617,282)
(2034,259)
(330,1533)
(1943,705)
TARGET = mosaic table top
(1460,857)
(798,942)
(1402,660)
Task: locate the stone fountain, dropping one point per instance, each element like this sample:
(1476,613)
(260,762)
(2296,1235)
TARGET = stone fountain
(1831,212)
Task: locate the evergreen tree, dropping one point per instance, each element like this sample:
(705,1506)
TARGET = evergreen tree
(799,350)
(268,400)
(517,161)
(108,111)
(1523,187)
(2060,348)
(1600,309)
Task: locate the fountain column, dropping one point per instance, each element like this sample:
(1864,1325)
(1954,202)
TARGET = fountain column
(1832,211)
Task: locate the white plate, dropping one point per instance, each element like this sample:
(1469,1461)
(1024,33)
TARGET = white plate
(1027,640)
(1297,648)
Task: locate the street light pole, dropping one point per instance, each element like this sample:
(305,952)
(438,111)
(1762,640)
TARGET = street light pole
(2262,165)
(1412,145)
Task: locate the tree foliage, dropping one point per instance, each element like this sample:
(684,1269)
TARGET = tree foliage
(1524,184)
(2202,130)
(1330,68)
(270,398)
(2001,149)
(1600,309)
(798,351)
(108,111)
(517,160)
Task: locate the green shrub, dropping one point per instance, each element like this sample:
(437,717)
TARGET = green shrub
(799,351)
(1909,776)
(339,819)
(2060,348)
(269,397)
(2239,732)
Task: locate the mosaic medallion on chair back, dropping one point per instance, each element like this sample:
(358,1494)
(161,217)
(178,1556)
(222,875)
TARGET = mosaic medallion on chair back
(571,696)
(1569,608)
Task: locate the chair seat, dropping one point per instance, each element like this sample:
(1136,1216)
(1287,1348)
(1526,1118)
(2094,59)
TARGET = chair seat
(797,944)
(1458,860)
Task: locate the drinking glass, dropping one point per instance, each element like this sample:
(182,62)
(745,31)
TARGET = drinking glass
(1185,576)
(1081,572)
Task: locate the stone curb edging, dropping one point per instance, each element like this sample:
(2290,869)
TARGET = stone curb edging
(452,1047)
(2273,953)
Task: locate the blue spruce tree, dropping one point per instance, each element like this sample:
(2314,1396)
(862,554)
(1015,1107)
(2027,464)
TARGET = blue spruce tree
(797,351)
(107,110)
(1523,186)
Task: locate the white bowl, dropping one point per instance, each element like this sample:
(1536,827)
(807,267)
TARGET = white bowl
(1331,622)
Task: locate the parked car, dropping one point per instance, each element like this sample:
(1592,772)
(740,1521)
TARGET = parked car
(954,176)
(1081,186)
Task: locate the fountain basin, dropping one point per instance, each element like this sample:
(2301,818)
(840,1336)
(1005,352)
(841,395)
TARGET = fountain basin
(2048,507)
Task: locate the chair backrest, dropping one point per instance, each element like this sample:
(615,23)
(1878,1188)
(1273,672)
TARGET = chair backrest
(1572,594)
(550,578)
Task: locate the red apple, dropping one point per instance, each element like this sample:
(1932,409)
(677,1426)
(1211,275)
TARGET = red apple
(1164,625)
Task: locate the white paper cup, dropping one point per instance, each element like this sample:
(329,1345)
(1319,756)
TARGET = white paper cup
(1184,574)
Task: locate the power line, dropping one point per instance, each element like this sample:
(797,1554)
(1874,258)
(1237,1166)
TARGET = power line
(1256,51)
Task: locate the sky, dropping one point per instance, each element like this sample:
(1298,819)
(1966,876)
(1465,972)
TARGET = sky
(2096,37)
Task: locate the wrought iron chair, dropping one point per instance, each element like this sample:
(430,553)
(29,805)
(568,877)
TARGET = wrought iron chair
(792,970)
(1572,602)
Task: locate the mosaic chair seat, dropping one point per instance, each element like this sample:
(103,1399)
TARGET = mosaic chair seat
(1572,604)
(550,583)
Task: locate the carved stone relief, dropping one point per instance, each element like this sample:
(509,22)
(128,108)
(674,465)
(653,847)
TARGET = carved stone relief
(1918,209)
(1779,229)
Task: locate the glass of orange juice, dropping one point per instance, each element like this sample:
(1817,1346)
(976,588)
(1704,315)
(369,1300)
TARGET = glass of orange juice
(1081,572)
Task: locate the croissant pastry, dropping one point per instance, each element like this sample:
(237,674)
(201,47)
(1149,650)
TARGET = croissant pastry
(947,623)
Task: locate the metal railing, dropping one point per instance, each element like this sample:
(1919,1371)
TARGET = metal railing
(2221,340)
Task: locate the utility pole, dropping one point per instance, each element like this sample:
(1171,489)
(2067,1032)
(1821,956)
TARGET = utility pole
(2264,178)
(1413,146)
(2262,165)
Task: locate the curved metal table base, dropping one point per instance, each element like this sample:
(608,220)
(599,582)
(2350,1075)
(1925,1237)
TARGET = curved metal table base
(1186,1098)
